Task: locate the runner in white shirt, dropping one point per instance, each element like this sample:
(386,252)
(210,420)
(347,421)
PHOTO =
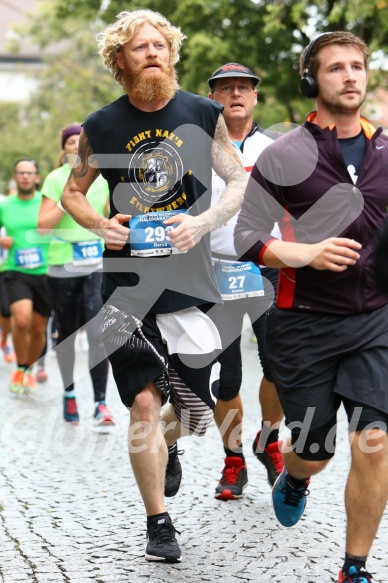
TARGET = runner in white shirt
(245,289)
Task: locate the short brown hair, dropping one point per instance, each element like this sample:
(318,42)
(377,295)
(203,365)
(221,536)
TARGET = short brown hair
(329,38)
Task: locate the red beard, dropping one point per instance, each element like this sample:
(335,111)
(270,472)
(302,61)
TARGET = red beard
(152,87)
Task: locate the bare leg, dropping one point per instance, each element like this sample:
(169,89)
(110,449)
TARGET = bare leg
(147,449)
(298,467)
(21,312)
(228,416)
(173,427)
(366,489)
(5,324)
(271,409)
(37,337)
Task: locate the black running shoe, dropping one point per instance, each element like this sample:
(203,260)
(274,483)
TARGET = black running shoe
(173,472)
(233,480)
(162,545)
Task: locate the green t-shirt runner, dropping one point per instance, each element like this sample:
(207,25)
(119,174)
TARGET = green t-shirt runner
(29,251)
(3,252)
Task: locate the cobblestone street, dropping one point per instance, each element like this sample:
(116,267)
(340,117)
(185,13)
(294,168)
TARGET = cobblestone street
(71,512)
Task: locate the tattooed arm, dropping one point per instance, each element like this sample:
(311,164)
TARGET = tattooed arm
(226,162)
(76,204)
(228,166)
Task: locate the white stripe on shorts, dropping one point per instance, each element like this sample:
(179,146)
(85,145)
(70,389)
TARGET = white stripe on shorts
(192,340)
(191,411)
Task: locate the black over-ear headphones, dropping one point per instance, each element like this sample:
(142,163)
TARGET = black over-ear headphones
(308,84)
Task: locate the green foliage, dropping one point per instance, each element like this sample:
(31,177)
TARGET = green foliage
(12,146)
(72,84)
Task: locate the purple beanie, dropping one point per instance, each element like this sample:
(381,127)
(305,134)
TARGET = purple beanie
(73,129)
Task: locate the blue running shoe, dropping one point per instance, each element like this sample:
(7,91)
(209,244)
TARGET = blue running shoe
(356,575)
(288,502)
(70,411)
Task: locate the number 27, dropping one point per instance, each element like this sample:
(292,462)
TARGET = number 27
(236,282)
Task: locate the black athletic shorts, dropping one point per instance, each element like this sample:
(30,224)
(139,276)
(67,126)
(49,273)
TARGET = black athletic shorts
(4,302)
(319,360)
(24,286)
(176,351)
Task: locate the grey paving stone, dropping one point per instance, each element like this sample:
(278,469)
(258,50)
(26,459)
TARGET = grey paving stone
(70,509)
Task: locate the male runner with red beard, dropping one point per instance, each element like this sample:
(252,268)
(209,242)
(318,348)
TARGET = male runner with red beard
(158,280)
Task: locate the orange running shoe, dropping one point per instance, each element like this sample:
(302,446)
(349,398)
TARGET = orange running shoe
(16,385)
(29,383)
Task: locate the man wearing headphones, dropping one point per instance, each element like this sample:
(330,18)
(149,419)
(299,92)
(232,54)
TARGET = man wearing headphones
(325,183)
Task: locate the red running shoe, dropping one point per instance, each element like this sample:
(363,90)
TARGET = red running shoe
(270,457)
(102,416)
(233,480)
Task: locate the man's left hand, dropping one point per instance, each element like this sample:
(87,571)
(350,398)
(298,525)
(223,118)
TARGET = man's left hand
(187,234)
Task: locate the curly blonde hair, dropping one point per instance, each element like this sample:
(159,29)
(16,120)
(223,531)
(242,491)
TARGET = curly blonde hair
(125,27)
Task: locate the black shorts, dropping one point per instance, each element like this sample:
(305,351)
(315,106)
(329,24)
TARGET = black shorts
(176,351)
(24,286)
(4,301)
(318,361)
